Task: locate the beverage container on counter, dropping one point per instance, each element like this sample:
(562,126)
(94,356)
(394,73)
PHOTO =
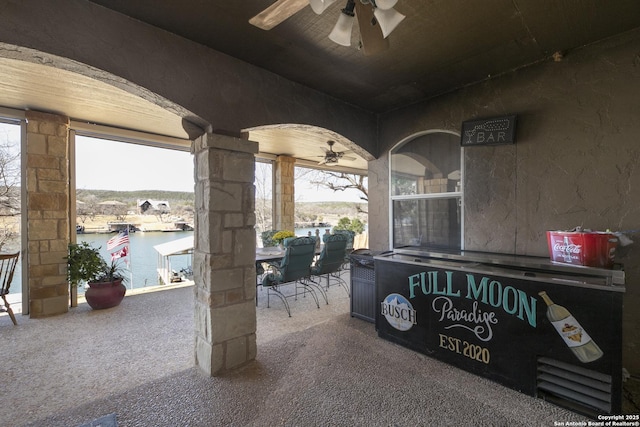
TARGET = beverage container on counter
(572,333)
(567,250)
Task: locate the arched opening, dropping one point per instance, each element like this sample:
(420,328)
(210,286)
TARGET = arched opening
(300,155)
(426,194)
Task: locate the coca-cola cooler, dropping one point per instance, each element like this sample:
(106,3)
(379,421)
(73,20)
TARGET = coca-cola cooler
(586,248)
(547,329)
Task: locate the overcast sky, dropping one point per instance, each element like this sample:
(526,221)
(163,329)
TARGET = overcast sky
(109,165)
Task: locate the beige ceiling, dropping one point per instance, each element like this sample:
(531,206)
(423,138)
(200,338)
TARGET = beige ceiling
(308,144)
(31,86)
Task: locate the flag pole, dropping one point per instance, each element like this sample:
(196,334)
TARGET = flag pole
(122,238)
(130,260)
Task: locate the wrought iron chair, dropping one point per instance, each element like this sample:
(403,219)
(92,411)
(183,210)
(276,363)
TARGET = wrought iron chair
(7,267)
(351,235)
(267,242)
(266,259)
(331,259)
(294,268)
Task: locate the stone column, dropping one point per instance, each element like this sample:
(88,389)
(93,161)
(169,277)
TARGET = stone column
(284,216)
(224,253)
(47,183)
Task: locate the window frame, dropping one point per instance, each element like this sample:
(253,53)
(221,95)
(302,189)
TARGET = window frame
(459,195)
(17,117)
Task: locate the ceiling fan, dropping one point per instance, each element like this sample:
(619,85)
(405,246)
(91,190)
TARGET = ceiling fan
(376,20)
(333,157)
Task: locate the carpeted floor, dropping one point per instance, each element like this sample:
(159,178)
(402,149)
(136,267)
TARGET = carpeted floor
(106,421)
(320,367)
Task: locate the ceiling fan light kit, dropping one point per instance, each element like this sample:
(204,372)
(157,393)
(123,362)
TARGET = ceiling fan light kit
(376,19)
(320,6)
(385,4)
(388,20)
(341,32)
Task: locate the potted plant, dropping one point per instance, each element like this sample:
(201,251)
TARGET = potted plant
(281,235)
(105,281)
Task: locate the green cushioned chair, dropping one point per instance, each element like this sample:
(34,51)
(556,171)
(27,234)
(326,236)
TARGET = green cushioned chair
(351,235)
(295,268)
(331,259)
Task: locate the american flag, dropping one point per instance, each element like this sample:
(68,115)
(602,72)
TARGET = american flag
(121,253)
(121,238)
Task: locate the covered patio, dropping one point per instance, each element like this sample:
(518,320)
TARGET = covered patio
(567,70)
(136,361)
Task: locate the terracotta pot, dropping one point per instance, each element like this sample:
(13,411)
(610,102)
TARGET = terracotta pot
(105,294)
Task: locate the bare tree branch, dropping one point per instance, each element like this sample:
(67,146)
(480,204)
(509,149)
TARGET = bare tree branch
(340,181)
(9,187)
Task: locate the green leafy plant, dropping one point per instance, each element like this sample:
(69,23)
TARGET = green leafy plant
(354,225)
(281,235)
(85,264)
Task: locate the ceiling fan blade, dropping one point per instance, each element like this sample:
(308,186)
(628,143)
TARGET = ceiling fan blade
(347,158)
(277,13)
(370,32)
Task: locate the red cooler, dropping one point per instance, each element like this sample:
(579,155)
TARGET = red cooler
(591,249)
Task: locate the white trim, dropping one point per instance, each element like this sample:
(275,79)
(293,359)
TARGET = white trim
(17,117)
(452,195)
(24,217)
(10,115)
(72,208)
(72,187)
(449,195)
(130,136)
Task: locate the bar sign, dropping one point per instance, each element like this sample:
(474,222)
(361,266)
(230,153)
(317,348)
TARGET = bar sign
(492,131)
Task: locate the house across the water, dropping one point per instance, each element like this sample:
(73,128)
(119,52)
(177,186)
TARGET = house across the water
(148,206)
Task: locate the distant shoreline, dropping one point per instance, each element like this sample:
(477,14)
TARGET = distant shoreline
(104,224)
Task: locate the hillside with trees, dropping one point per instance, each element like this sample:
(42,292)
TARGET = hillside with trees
(102,206)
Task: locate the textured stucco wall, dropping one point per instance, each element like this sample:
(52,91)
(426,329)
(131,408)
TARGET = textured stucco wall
(576,160)
(209,88)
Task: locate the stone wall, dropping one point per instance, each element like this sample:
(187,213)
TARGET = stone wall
(224,253)
(47,182)
(284,192)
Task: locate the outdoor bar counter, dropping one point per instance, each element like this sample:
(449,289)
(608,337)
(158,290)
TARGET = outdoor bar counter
(546,329)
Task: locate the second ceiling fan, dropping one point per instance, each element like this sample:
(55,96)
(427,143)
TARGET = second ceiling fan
(376,20)
(333,157)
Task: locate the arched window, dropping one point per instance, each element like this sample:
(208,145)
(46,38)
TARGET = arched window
(426,191)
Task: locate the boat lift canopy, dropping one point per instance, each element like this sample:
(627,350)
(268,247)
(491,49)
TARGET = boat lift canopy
(165,251)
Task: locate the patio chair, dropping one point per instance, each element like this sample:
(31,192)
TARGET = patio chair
(7,267)
(351,235)
(331,259)
(294,268)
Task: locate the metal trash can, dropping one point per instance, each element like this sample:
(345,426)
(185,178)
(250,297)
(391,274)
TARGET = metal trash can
(363,285)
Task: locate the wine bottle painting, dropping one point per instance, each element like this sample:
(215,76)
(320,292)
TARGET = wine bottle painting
(572,333)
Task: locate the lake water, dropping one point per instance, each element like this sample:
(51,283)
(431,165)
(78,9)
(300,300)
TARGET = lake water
(143,264)
(144,259)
